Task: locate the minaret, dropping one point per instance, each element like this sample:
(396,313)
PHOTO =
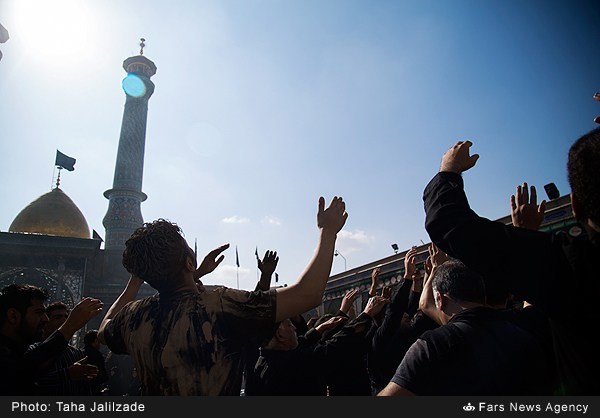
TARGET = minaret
(124,213)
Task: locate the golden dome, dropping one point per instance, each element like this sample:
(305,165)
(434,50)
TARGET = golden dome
(53,213)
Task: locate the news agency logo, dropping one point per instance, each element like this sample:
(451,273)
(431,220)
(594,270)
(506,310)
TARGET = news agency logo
(468,407)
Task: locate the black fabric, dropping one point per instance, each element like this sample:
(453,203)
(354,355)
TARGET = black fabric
(345,358)
(21,365)
(391,339)
(556,273)
(288,373)
(479,352)
(96,358)
(57,381)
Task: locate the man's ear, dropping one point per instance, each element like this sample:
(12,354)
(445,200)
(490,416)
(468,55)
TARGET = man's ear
(13,316)
(190,264)
(581,216)
(437,299)
(279,332)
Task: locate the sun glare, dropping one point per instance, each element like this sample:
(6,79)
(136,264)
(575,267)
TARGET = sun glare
(58,31)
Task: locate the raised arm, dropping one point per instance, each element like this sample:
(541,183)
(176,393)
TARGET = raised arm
(348,301)
(479,242)
(409,263)
(458,159)
(129,294)
(86,309)
(267,267)
(308,290)
(210,262)
(427,300)
(374,281)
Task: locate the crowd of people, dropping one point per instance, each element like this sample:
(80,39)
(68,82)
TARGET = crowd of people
(497,310)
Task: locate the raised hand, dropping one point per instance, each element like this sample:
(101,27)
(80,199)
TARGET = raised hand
(409,263)
(269,262)
(457,159)
(597,97)
(437,256)
(428,266)
(85,310)
(334,217)
(210,262)
(267,267)
(525,212)
(386,292)
(374,281)
(427,299)
(375,305)
(330,323)
(348,300)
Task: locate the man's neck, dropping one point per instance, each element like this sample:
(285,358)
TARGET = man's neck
(7,333)
(186,285)
(13,335)
(460,306)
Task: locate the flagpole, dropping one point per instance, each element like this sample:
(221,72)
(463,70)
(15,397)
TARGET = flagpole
(52,182)
(257,261)
(237,263)
(58,177)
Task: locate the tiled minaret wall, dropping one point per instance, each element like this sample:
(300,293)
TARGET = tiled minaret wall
(124,213)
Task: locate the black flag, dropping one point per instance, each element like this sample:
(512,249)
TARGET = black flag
(64,161)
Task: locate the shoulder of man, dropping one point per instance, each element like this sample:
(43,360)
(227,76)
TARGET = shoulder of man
(443,337)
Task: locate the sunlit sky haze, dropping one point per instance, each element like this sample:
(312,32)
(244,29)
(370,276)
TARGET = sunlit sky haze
(262,106)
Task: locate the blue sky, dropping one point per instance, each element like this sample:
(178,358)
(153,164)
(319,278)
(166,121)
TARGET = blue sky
(262,106)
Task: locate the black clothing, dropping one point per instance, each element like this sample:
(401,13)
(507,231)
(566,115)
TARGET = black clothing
(479,352)
(413,303)
(534,321)
(556,273)
(20,365)
(320,365)
(288,373)
(57,381)
(390,340)
(344,356)
(96,358)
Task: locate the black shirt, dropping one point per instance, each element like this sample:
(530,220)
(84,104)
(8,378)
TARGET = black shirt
(479,352)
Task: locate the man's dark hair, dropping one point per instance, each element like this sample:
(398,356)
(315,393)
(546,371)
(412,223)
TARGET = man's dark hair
(156,252)
(90,337)
(583,169)
(19,297)
(56,306)
(459,282)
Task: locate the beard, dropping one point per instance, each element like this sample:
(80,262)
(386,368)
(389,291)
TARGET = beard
(29,335)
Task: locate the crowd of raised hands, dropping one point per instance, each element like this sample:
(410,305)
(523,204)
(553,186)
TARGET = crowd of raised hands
(445,301)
